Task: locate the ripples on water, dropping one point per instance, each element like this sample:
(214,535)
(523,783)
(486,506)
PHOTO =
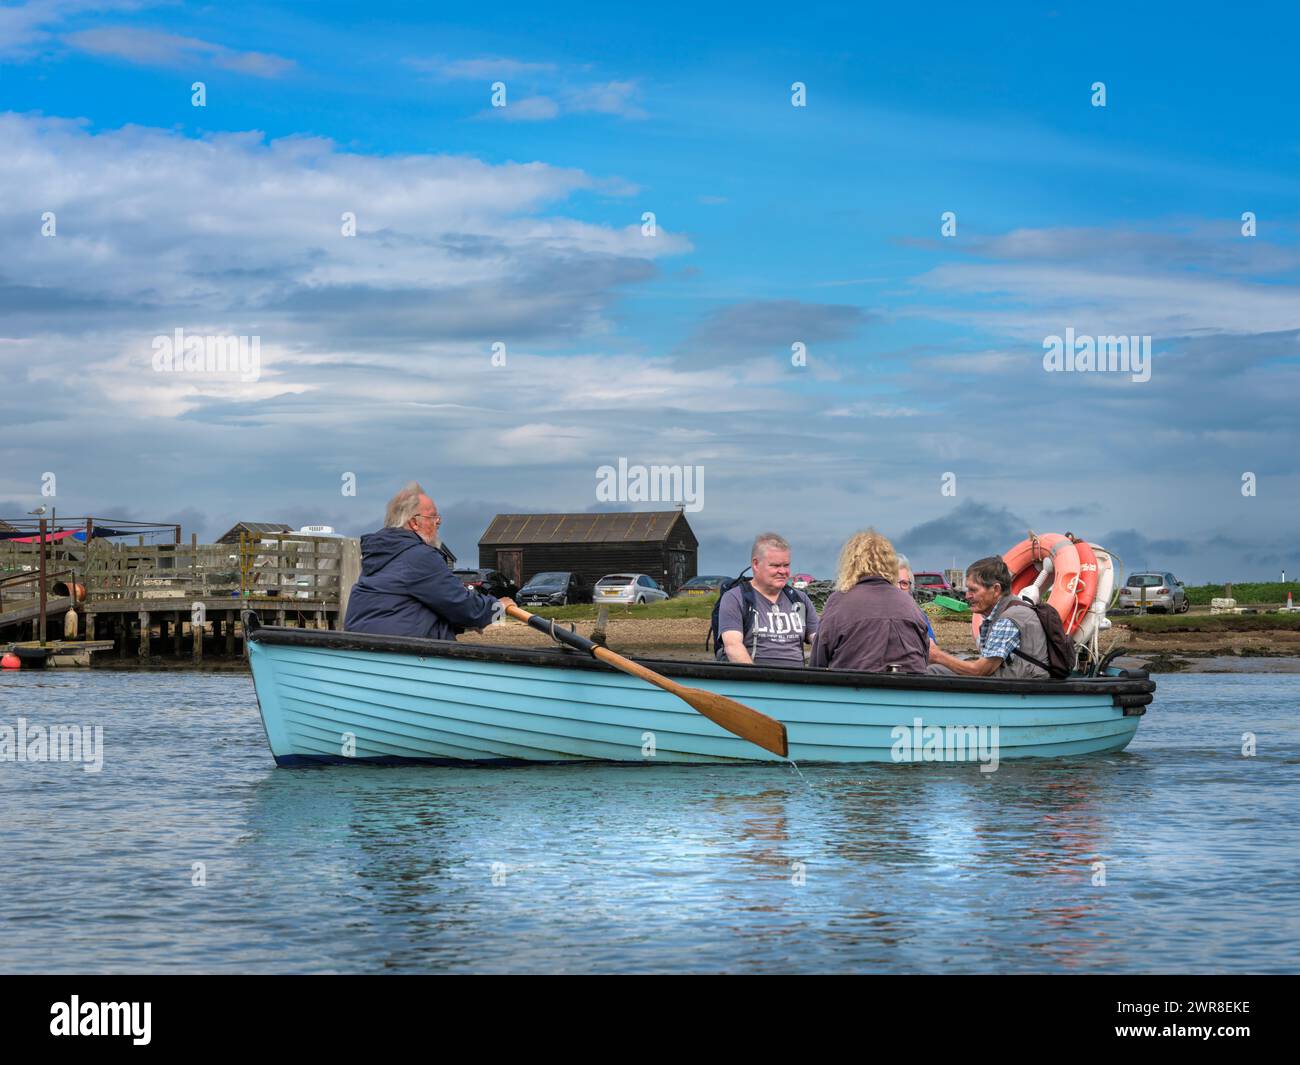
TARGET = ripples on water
(644,868)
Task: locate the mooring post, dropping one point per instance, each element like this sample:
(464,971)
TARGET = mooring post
(41,616)
(196,632)
(90,626)
(230,633)
(146,627)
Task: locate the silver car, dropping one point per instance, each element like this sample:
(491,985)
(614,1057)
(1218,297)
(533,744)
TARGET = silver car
(628,588)
(1157,591)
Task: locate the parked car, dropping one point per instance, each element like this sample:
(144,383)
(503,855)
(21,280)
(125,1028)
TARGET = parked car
(628,588)
(934,583)
(1163,591)
(487,581)
(696,586)
(553,588)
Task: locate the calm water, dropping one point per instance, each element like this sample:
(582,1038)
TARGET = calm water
(644,868)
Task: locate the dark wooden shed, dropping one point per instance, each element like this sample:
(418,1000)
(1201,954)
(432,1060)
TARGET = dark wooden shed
(658,543)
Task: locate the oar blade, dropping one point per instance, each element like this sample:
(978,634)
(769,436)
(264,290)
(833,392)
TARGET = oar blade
(740,720)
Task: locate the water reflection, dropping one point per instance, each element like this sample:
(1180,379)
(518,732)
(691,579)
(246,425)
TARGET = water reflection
(921,867)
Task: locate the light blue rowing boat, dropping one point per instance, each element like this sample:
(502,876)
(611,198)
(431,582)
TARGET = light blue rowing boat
(337,697)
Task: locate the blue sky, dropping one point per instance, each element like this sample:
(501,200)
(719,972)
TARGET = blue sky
(775,224)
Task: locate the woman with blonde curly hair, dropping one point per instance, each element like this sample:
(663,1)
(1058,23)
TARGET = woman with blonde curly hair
(869,623)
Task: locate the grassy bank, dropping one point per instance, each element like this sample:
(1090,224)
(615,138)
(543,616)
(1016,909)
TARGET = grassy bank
(1246,594)
(700,606)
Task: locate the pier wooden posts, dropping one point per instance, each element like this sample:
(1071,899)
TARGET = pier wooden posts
(177,625)
(121,635)
(230,634)
(90,626)
(196,633)
(349,574)
(146,629)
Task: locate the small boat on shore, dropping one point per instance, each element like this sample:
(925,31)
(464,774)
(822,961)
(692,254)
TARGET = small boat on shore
(340,697)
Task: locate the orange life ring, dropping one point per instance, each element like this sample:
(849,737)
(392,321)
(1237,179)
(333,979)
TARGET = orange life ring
(1074,576)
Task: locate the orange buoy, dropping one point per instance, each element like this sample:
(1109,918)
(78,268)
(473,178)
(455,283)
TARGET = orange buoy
(10,661)
(1074,576)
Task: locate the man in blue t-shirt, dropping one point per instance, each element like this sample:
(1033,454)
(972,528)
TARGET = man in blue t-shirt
(781,620)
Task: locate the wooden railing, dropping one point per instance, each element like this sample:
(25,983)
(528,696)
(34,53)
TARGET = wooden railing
(279,566)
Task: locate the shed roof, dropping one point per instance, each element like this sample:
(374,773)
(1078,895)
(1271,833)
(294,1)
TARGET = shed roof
(231,536)
(641,526)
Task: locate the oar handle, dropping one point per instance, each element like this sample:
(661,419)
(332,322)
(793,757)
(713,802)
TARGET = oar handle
(548,626)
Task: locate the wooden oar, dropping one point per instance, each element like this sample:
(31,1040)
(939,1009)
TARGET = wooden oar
(735,717)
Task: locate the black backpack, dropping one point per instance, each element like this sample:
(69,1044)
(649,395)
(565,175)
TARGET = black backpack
(749,604)
(1060,648)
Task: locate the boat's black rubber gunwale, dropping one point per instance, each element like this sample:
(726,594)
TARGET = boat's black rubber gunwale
(683,669)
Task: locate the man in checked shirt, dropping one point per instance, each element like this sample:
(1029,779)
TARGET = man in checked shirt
(1010,628)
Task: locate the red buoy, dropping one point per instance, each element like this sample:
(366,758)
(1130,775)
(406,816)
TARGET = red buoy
(11,662)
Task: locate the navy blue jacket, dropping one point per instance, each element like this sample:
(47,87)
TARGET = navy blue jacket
(407,589)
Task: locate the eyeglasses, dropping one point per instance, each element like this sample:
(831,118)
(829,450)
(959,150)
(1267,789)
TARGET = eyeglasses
(435,518)
(905,584)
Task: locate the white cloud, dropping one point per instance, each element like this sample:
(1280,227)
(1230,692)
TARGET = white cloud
(157,49)
(152,217)
(607,98)
(26,29)
(484,68)
(1046,299)
(236,235)
(529,109)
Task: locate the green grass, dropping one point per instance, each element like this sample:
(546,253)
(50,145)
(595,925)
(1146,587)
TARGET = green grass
(697,606)
(1249,594)
(1209,622)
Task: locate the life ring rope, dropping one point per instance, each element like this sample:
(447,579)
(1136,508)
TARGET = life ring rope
(1074,575)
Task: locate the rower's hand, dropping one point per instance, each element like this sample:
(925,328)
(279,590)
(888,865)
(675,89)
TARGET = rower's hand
(505,601)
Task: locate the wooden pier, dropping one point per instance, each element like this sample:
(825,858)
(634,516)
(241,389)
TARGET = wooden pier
(172,600)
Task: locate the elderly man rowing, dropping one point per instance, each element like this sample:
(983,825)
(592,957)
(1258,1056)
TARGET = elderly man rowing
(406,586)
